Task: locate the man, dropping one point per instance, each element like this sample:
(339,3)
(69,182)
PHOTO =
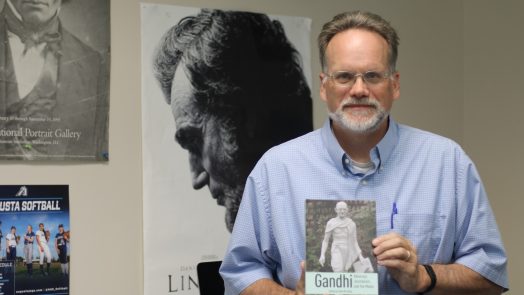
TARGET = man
(61,240)
(344,248)
(235,88)
(42,238)
(11,243)
(431,206)
(29,239)
(52,90)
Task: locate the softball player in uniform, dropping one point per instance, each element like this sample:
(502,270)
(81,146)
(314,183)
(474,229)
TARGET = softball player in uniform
(61,240)
(29,239)
(43,248)
(11,244)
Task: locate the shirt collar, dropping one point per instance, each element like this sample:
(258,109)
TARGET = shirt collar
(379,154)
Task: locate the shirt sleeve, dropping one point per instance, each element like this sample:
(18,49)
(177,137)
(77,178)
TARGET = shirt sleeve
(478,244)
(248,258)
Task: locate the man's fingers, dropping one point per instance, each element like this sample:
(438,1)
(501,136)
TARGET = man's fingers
(396,253)
(393,263)
(392,241)
(378,240)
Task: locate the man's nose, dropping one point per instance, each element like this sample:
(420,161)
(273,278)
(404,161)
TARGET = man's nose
(200,179)
(359,88)
(199,174)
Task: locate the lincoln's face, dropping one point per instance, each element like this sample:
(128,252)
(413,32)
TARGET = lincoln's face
(36,12)
(214,156)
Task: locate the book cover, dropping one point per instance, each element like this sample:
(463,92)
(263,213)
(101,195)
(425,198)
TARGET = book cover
(339,257)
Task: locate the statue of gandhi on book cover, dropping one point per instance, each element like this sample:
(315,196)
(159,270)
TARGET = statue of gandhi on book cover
(345,250)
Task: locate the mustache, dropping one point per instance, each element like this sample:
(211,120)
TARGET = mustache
(351,101)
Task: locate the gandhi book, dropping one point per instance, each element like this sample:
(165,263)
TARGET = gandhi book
(339,257)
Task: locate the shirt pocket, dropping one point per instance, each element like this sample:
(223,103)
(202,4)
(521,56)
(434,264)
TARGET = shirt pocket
(423,230)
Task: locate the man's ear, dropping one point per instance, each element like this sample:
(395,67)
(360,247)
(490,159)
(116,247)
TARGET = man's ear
(323,81)
(396,85)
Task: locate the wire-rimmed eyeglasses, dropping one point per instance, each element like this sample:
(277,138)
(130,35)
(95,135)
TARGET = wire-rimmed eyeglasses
(347,79)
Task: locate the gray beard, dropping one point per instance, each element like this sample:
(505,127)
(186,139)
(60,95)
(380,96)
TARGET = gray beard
(368,126)
(232,203)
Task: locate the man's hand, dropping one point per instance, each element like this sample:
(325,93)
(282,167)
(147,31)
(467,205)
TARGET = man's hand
(270,287)
(399,256)
(300,288)
(322,260)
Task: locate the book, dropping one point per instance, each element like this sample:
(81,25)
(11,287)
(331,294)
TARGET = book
(339,257)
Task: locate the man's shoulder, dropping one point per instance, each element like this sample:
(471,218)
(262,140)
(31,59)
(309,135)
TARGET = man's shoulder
(289,155)
(415,144)
(337,222)
(297,147)
(417,138)
(72,45)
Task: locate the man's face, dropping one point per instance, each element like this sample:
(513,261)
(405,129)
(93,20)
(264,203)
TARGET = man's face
(29,228)
(342,210)
(36,12)
(362,107)
(212,147)
(60,229)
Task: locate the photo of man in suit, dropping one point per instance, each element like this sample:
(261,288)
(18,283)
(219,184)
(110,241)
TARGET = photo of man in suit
(53,87)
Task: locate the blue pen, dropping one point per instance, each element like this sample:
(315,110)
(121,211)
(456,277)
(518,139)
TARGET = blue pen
(393,212)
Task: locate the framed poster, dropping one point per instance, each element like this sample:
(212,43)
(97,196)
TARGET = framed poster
(35,236)
(219,89)
(54,80)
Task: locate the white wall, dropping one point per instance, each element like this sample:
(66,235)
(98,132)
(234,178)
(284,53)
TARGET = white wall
(493,119)
(459,78)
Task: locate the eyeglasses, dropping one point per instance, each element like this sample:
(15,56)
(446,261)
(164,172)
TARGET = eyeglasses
(347,79)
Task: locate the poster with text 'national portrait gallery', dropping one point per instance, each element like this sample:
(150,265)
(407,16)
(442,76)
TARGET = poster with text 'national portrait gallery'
(35,237)
(54,80)
(219,88)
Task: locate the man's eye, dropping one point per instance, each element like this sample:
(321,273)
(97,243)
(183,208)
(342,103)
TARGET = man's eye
(372,76)
(344,77)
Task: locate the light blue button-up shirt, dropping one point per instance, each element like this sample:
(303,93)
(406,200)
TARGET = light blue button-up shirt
(442,207)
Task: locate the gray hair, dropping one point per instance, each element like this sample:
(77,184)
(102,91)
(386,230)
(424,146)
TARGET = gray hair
(359,20)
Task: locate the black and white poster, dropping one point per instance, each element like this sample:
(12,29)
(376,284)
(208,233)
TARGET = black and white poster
(219,88)
(35,237)
(54,80)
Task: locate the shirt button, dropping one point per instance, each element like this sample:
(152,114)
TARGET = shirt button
(364,182)
(346,160)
